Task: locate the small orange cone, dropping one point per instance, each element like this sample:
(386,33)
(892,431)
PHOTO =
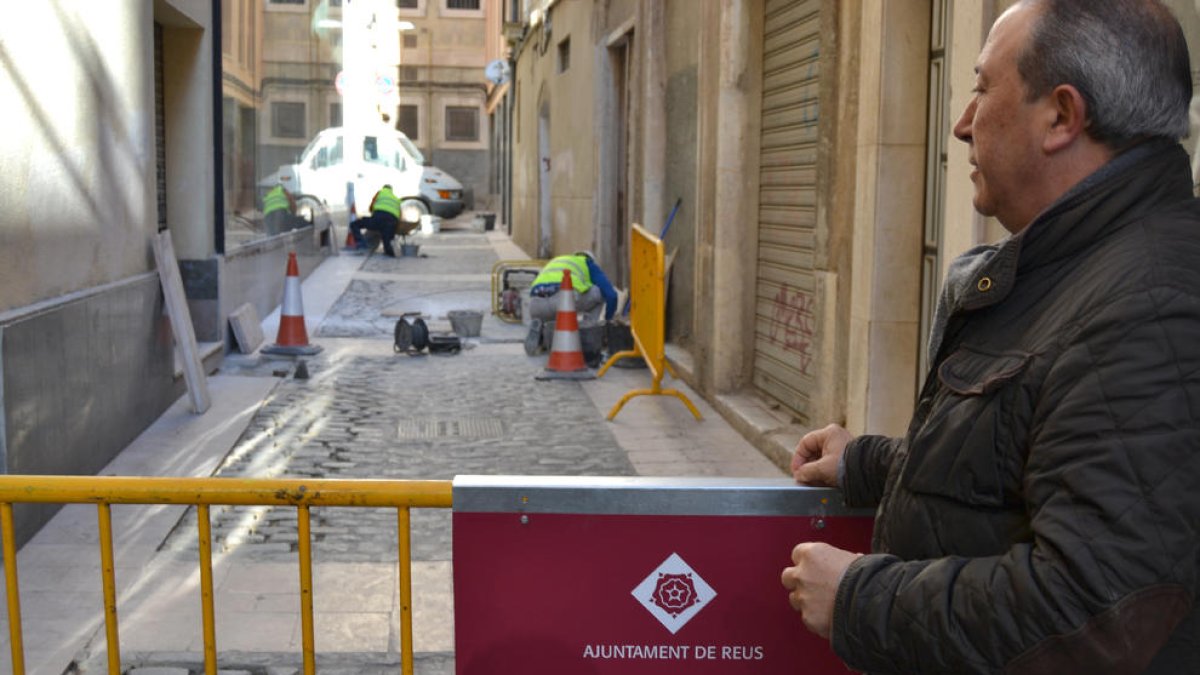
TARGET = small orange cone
(566,352)
(292,339)
(350,242)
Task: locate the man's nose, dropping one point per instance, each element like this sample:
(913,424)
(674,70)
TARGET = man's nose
(962,128)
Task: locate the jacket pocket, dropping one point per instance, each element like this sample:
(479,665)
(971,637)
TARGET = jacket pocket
(968,448)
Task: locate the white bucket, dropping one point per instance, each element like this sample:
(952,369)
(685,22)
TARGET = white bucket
(430,224)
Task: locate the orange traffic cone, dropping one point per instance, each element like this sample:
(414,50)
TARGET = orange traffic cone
(566,352)
(292,339)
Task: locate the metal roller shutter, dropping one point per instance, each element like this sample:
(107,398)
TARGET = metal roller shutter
(786,290)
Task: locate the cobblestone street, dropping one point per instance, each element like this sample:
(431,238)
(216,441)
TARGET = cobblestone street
(400,416)
(363,411)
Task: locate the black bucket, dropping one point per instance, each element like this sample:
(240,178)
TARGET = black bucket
(591,341)
(620,339)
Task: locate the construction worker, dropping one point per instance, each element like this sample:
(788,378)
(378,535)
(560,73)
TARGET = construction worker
(593,291)
(384,218)
(279,209)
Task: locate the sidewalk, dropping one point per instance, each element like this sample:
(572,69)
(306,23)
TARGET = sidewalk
(342,423)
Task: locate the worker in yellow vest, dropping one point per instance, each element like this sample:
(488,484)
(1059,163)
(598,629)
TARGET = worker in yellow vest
(593,293)
(279,208)
(384,218)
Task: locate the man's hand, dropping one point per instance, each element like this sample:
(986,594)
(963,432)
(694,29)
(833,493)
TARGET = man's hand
(817,455)
(812,583)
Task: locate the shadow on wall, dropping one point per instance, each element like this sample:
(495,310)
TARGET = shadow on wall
(114,148)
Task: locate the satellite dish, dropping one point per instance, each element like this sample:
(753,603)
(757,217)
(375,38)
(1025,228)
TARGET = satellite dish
(497,71)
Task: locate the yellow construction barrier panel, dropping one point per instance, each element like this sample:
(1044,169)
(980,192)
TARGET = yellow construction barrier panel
(203,492)
(647,318)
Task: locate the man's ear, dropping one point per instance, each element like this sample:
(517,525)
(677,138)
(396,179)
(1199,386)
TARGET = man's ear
(1069,121)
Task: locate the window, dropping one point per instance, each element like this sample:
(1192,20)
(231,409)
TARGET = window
(407,122)
(287,2)
(407,4)
(410,41)
(408,73)
(287,120)
(329,154)
(462,4)
(564,55)
(383,151)
(335,114)
(462,123)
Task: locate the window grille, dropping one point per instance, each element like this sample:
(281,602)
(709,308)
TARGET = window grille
(407,122)
(462,123)
(287,119)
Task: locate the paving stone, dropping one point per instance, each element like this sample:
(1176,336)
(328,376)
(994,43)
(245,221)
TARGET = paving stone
(542,430)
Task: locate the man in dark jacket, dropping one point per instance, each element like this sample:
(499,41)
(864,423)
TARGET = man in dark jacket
(1042,514)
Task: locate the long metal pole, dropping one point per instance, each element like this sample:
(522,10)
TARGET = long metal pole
(208,616)
(108,574)
(8,534)
(405,556)
(306,591)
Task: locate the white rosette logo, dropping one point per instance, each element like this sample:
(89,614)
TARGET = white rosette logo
(674,593)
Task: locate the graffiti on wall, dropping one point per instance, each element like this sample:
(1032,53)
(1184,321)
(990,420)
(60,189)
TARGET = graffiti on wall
(793,324)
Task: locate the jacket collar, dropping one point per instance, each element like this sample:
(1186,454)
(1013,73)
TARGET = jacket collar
(1150,174)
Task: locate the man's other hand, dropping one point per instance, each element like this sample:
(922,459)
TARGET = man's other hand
(812,583)
(815,461)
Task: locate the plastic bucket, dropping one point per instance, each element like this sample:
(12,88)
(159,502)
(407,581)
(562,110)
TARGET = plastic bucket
(620,338)
(465,322)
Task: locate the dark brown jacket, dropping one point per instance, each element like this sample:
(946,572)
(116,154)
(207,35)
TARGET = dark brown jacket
(1041,515)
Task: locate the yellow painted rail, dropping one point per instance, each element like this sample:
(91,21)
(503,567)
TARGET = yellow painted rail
(203,492)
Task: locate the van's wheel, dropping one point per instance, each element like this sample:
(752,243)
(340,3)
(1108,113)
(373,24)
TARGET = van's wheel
(411,210)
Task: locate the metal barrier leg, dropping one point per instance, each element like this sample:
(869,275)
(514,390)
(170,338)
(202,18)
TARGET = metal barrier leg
(108,575)
(8,534)
(206,590)
(306,590)
(405,555)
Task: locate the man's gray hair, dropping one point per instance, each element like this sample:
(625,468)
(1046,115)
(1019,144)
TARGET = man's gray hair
(1128,59)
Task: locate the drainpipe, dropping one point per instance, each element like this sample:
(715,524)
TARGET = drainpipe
(218,132)
(654,110)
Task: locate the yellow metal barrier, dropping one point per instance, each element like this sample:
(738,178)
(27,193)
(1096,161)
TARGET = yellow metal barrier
(203,492)
(647,318)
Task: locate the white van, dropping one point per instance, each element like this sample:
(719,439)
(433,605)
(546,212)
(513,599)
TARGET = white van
(381,156)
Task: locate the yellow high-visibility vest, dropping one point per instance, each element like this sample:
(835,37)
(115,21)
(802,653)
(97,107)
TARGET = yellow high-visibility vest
(276,200)
(552,273)
(388,202)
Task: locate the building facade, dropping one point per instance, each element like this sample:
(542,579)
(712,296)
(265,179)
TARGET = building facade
(822,195)
(123,119)
(426,69)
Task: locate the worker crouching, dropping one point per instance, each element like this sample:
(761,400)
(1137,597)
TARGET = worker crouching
(593,294)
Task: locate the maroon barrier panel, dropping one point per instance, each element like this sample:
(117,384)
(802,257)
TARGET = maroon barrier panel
(581,575)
